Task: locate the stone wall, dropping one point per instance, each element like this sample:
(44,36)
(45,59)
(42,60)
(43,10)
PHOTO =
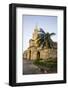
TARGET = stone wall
(48,53)
(32,53)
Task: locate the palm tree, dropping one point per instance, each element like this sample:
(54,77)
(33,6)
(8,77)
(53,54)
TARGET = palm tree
(49,42)
(44,39)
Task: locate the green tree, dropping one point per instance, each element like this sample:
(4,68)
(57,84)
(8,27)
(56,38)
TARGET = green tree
(44,39)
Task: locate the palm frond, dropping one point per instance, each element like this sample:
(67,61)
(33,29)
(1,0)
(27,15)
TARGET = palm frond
(52,34)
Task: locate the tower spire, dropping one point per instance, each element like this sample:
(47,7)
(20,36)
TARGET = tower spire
(46,29)
(37,27)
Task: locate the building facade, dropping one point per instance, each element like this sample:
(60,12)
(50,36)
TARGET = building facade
(34,51)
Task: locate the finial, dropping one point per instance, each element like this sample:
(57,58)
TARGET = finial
(46,29)
(36,27)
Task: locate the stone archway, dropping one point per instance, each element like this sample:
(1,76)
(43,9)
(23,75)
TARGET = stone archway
(38,55)
(29,54)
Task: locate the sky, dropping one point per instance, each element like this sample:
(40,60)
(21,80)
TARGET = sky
(29,22)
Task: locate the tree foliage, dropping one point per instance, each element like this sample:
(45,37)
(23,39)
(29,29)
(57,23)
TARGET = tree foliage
(44,39)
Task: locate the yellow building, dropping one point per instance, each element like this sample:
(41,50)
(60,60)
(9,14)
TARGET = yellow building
(34,51)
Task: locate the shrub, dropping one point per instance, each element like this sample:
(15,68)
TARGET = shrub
(50,64)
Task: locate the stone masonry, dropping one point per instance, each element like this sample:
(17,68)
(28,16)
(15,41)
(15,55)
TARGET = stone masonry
(34,52)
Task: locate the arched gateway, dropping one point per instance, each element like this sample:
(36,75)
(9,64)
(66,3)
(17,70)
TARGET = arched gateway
(38,55)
